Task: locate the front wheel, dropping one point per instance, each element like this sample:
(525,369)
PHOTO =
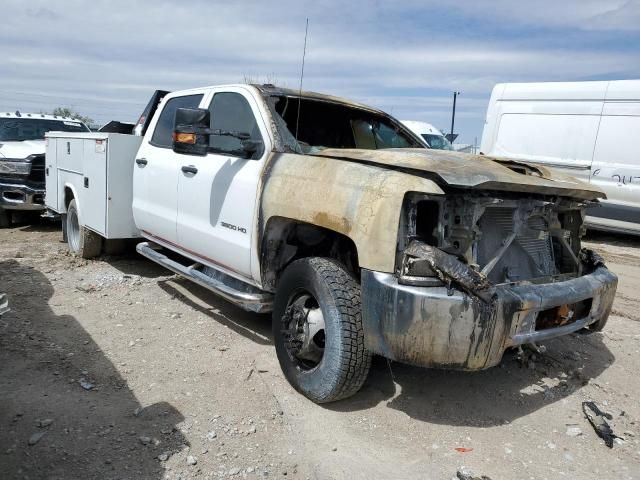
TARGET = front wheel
(82,241)
(317,330)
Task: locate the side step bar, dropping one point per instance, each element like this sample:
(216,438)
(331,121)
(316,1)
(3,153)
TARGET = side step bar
(242,294)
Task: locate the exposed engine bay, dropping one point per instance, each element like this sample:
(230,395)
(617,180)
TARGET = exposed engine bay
(501,239)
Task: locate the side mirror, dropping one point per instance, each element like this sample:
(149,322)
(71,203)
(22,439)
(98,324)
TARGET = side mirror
(191,131)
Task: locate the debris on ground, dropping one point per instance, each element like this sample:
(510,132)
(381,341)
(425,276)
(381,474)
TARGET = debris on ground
(598,420)
(463,449)
(36,437)
(44,423)
(466,474)
(86,384)
(573,431)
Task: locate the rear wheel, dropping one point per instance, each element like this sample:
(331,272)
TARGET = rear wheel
(317,329)
(82,241)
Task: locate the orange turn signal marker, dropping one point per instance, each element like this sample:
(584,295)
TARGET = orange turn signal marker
(184,137)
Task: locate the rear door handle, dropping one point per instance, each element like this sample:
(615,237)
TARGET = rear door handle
(141,161)
(189,169)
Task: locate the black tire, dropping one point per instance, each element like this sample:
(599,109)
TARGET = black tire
(5,218)
(344,362)
(82,241)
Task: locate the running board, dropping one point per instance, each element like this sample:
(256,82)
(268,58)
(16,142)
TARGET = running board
(236,291)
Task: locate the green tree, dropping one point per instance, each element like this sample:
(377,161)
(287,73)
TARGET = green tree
(67,112)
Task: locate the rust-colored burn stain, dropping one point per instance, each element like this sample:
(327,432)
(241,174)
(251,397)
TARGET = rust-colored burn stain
(332,222)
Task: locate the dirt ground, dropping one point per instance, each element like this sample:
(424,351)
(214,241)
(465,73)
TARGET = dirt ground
(117,369)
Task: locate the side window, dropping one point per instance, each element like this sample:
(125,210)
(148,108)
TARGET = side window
(230,112)
(162,135)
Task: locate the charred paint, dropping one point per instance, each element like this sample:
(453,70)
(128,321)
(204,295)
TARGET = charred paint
(439,327)
(362,202)
(472,171)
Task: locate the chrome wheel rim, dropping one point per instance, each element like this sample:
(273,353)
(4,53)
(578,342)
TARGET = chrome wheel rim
(73,230)
(304,330)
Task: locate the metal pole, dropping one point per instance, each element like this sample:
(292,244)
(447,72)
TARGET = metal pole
(453,113)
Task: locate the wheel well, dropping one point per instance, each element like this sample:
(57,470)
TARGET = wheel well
(286,240)
(68,196)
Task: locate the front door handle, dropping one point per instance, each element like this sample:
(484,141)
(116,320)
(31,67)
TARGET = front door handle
(141,161)
(189,169)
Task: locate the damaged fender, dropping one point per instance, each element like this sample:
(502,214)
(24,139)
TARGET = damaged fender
(362,202)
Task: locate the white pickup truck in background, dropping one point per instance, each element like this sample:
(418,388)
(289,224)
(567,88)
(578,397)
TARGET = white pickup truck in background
(333,216)
(22,169)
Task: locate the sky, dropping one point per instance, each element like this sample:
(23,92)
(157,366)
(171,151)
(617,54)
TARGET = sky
(105,58)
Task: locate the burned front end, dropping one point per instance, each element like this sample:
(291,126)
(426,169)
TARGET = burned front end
(477,273)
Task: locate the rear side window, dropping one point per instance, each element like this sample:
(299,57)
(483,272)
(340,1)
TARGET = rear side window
(163,134)
(230,112)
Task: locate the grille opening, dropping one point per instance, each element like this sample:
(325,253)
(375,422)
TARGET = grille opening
(38,198)
(563,314)
(14,196)
(534,253)
(37,169)
(427,219)
(530,254)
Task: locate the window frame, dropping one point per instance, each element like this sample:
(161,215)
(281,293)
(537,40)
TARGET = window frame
(258,154)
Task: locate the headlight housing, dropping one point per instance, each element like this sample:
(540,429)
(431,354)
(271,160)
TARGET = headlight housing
(15,166)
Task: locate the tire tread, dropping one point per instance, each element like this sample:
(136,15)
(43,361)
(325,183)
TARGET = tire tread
(356,359)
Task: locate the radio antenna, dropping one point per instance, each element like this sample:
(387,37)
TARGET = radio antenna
(304,53)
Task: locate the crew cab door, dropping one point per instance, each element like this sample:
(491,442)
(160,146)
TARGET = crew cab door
(156,172)
(217,193)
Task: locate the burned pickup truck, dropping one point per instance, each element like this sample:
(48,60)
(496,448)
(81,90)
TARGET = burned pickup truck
(334,217)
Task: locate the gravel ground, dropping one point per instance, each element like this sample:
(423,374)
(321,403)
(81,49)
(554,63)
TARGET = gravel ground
(115,368)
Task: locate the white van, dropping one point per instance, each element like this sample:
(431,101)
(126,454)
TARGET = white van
(587,129)
(430,134)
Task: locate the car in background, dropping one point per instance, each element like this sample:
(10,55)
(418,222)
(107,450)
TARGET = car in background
(430,134)
(22,166)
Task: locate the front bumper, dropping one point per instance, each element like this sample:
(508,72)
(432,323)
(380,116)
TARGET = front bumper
(17,196)
(441,328)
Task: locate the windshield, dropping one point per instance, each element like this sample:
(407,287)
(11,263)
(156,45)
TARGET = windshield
(20,129)
(323,124)
(438,142)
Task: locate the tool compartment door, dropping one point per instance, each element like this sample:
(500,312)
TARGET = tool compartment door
(51,175)
(93,211)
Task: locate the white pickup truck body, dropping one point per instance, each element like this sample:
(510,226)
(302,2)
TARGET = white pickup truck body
(334,216)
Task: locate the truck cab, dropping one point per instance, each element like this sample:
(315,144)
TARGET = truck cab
(22,159)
